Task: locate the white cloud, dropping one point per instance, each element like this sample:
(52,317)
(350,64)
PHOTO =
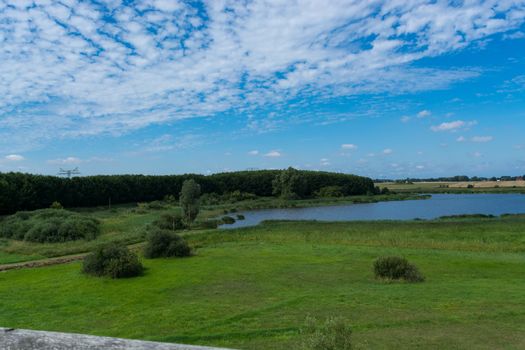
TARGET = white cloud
(325,161)
(420,167)
(89,76)
(387,151)
(482,139)
(405,119)
(65,161)
(349,146)
(515,35)
(168,142)
(477,155)
(14,158)
(273,154)
(461,139)
(453,126)
(253,153)
(424,113)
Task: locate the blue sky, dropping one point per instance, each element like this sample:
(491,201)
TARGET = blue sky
(377,88)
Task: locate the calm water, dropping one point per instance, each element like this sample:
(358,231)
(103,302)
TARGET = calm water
(438,205)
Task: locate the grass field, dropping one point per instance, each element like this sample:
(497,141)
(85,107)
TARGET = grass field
(252,288)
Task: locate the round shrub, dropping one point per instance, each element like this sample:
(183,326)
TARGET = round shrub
(49,226)
(396,268)
(172,222)
(240,217)
(163,243)
(113,261)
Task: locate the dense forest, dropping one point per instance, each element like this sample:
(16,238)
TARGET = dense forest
(19,191)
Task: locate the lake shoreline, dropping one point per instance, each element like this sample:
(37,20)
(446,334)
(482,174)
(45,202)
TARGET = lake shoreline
(473,206)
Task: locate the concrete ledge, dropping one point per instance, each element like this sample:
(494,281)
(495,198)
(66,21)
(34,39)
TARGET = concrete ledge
(22,339)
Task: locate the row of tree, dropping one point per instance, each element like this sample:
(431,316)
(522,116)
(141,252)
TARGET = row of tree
(19,191)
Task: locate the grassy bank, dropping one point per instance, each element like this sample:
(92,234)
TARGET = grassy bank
(252,288)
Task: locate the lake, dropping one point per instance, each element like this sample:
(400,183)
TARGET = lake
(438,205)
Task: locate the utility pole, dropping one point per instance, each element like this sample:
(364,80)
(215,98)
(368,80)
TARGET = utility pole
(69,173)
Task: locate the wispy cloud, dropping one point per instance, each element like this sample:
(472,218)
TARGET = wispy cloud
(65,161)
(325,162)
(387,151)
(253,153)
(405,119)
(109,67)
(348,146)
(14,158)
(453,126)
(273,154)
(424,113)
(482,139)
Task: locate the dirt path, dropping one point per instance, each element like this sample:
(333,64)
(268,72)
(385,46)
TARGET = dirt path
(53,261)
(42,262)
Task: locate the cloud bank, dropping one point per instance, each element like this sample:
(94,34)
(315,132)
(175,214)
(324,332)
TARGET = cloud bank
(72,68)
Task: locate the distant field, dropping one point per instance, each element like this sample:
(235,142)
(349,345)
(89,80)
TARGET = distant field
(462,187)
(252,288)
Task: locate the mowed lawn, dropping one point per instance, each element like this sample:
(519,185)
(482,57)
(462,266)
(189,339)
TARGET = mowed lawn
(252,288)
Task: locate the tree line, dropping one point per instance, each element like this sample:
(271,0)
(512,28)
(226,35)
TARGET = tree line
(20,191)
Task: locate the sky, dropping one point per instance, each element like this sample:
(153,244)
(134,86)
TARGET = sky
(386,89)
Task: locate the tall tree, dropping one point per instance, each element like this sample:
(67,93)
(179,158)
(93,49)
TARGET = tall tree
(289,184)
(189,200)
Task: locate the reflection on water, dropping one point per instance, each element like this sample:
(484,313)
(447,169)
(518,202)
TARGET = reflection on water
(438,205)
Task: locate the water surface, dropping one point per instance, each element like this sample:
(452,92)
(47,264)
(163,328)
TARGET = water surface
(438,205)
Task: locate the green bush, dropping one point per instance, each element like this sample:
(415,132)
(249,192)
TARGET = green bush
(170,199)
(206,225)
(172,222)
(240,217)
(333,334)
(228,220)
(115,261)
(56,205)
(49,226)
(210,199)
(396,268)
(162,243)
(237,196)
(330,192)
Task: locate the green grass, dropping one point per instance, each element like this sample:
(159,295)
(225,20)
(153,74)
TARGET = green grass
(252,288)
